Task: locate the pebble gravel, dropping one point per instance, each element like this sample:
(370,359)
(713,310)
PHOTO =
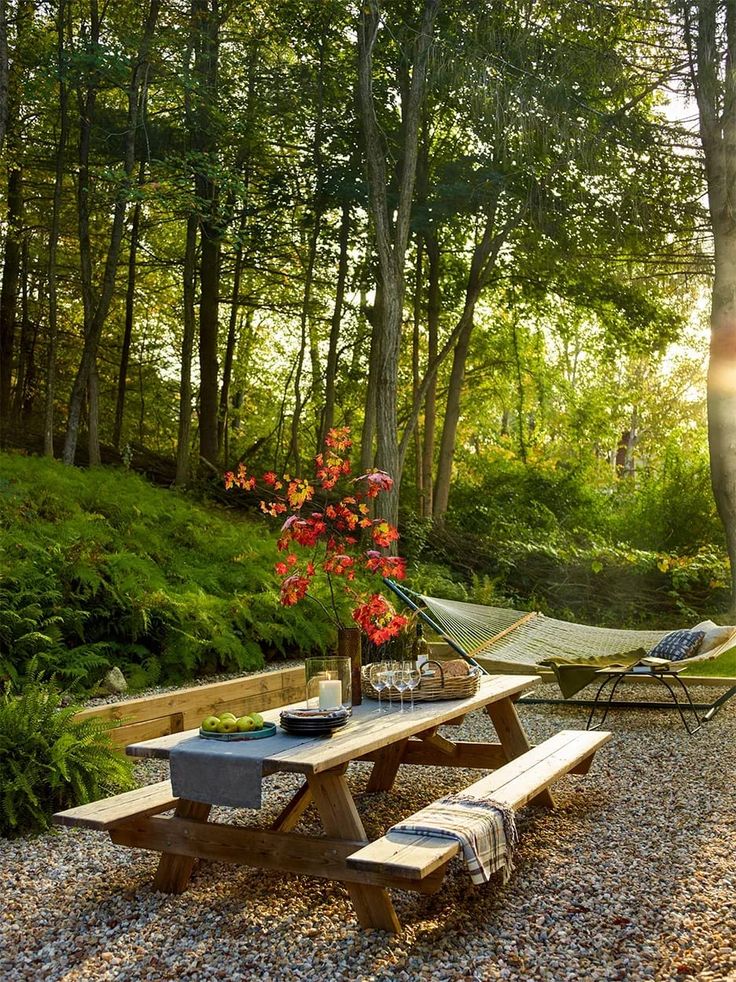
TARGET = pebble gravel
(631,877)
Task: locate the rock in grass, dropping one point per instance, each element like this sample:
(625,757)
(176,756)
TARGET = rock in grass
(113,682)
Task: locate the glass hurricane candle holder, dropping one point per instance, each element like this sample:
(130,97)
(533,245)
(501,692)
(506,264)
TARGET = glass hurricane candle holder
(328,683)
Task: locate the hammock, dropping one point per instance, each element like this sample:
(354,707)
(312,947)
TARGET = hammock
(507,637)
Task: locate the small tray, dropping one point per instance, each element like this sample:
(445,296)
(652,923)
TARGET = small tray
(267,730)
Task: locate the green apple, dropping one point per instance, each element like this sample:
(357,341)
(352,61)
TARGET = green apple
(257,719)
(227,716)
(245,724)
(227,726)
(209,725)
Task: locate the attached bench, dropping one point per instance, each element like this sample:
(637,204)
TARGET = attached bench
(414,857)
(109,812)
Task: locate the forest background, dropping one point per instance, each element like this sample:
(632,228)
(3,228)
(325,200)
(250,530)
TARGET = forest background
(477,234)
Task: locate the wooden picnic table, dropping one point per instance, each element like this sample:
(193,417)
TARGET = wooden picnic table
(387,740)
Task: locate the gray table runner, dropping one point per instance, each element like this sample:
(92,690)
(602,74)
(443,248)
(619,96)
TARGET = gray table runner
(227,772)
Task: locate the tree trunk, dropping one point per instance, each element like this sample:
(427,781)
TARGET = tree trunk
(3,70)
(712,54)
(392,224)
(94,322)
(232,335)
(368,433)
(93,402)
(48,427)
(25,341)
(415,354)
(129,310)
(206,68)
(187,351)
(328,417)
(9,288)
(452,416)
(430,407)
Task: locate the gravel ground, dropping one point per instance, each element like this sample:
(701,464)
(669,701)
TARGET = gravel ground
(632,877)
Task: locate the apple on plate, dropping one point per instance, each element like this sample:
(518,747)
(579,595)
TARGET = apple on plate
(227,725)
(209,725)
(227,716)
(245,724)
(257,720)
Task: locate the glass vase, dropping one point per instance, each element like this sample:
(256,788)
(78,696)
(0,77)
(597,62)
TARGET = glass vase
(328,683)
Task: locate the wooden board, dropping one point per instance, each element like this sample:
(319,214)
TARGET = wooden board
(108,812)
(367,732)
(516,783)
(291,853)
(184,709)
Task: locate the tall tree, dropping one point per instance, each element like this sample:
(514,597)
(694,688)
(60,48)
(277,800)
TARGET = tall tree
(710,34)
(392,219)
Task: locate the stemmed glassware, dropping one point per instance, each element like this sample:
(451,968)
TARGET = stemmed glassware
(401,681)
(413,677)
(380,680)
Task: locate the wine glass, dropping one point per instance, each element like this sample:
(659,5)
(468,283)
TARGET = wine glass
(401,682)
(379,680)
(392,669)
(413,677)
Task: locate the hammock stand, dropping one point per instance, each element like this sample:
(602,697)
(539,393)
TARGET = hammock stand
(518,640)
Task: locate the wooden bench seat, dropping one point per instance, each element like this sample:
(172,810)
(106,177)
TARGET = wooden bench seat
(109,812)
(414,857)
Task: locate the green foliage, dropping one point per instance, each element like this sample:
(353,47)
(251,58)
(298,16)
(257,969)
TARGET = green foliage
(101,568)
(50,761)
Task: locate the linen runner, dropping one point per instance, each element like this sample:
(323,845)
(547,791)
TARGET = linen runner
(227,772)
(485,829)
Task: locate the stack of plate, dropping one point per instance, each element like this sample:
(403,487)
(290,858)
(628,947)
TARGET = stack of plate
(314,722)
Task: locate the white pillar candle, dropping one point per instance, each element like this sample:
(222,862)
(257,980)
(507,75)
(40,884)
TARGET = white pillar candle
(330,694)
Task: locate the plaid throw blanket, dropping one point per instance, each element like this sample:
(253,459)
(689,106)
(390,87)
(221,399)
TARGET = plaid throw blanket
(485,829)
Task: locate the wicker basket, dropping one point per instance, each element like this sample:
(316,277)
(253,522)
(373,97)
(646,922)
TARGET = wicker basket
(433,687)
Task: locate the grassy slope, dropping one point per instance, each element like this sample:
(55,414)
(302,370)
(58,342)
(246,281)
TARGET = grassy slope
(99,567)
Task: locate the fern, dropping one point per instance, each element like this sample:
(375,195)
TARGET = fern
(50,761)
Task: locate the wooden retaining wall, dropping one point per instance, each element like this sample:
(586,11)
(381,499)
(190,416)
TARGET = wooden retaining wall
(152,716)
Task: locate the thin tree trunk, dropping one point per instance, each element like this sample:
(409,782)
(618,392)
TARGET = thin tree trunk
(294,452)
(25,341)
(93,402)
(97,320)
(232,335)
(430,407)
(328,417)
(415,354)
(392,224)
(452,416)
(9,288)
(187,351)
(48,427)
(367,436)
(129,310)
(3,70)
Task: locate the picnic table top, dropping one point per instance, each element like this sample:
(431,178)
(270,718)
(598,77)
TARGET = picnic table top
(368,731)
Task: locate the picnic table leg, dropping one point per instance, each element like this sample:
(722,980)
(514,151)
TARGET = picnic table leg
(341,820)
(513,739)
(386,767)
(174,872)
(290,815)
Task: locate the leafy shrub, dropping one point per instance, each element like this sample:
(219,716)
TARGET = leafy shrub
(99,568)
(50,761)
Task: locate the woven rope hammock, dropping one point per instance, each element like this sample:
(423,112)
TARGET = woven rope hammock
(518,637)
(522,638)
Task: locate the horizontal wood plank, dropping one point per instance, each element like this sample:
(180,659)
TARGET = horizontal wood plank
(515,784)
(264,849)
(108,812)
(148,717)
